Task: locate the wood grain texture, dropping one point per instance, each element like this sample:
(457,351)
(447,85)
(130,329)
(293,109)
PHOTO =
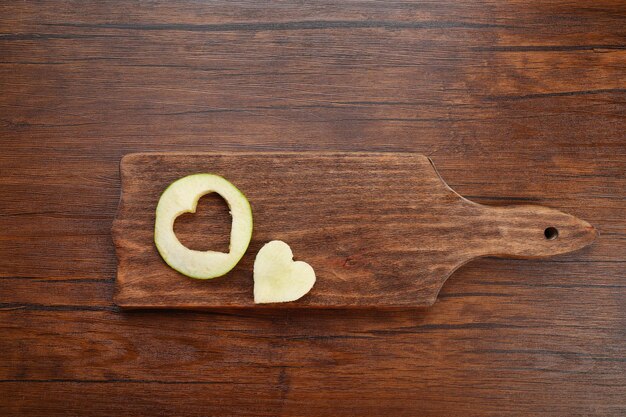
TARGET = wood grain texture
(516,102)
(381,230)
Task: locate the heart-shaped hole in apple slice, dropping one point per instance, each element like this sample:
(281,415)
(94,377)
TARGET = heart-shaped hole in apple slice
(277,277)
(208,228)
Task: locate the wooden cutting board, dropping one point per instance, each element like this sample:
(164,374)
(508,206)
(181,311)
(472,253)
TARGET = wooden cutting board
(380,229)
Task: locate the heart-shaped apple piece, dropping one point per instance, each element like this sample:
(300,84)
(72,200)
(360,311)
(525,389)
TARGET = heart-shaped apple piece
(277,277)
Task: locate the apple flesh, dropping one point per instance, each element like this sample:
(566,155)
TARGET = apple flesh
(277,278)
(182,197)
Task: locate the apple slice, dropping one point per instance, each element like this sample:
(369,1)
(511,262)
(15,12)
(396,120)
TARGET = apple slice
(182,197)
(277,278)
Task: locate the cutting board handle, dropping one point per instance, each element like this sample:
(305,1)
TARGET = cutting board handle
(531,231)
(521,231)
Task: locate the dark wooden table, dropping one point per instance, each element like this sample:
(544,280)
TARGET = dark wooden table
(515,101)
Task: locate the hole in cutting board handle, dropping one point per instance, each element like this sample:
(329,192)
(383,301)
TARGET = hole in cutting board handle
(551,233)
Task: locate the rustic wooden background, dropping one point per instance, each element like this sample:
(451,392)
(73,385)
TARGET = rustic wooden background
(515,101)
